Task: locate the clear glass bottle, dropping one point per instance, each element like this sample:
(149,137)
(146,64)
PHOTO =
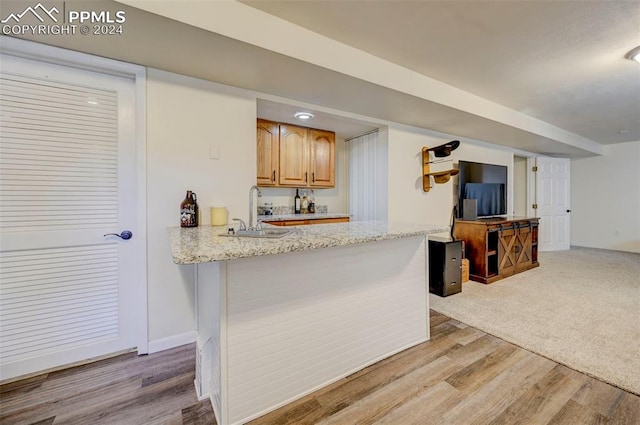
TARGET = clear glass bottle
(304,204)
(312,203)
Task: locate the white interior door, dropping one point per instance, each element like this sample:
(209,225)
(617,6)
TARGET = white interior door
(68,177)
(553,201)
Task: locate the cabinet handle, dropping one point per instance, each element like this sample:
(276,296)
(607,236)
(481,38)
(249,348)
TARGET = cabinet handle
(274,175)
(305,176)
(313,177)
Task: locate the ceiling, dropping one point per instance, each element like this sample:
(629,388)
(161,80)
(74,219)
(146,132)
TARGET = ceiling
(544,77)
(559,61)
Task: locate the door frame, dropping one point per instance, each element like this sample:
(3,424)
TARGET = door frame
(59,56)
(531,187)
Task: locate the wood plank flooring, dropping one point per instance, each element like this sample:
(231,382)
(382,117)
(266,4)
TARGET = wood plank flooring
(127,389)
(461,376)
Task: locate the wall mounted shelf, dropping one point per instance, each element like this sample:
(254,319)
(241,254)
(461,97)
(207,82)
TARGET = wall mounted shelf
(439,177)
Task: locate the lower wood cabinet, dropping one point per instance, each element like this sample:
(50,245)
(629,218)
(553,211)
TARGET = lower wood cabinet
(303,222)
(498,248)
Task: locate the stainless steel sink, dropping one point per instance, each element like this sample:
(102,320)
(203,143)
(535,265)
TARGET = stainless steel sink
(264,233)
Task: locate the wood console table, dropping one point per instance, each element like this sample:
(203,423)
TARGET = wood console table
(499,247)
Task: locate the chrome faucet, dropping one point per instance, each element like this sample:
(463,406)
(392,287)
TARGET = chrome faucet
(251,208)
(242,225)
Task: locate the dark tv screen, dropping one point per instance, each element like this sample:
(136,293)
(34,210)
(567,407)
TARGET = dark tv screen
(487,183)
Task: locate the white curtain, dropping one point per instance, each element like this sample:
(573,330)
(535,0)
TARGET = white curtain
(368,177)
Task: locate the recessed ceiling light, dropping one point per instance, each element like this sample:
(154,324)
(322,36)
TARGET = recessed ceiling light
(634,55)
(303,115)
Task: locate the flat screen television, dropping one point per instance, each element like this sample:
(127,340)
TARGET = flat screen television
(487,183)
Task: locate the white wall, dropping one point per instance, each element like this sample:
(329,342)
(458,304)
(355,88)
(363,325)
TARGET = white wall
(407,201)
(605,199)
(185,116)
(336,198)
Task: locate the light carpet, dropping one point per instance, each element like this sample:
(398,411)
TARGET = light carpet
(581,308)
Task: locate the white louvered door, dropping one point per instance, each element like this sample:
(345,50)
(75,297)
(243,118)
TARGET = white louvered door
(67,177)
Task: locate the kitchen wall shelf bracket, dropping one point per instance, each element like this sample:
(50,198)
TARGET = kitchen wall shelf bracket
(426,179)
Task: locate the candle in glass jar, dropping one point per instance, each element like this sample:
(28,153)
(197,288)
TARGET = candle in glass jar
(219,216)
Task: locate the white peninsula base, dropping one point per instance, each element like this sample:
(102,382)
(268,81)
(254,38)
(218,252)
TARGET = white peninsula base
(274,328)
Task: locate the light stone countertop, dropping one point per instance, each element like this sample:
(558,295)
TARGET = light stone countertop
(314,216)
(204,244)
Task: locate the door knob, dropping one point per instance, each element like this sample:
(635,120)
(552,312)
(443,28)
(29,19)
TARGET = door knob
(126,234)
(568,210)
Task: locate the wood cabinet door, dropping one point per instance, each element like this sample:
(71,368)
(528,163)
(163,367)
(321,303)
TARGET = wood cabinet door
(293,156)
(506,252)
(322,158)
(268,153)
(522,247)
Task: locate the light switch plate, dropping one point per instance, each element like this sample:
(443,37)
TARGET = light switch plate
(214,151)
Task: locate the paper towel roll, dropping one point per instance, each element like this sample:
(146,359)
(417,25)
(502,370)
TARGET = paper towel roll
(219,216)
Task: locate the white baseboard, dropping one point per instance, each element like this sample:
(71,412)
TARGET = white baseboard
(172,341)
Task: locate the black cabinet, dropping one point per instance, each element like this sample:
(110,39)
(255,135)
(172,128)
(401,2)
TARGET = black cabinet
(445,266)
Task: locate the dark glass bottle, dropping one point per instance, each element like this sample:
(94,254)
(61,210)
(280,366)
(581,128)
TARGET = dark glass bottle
(296,207)
(189,210)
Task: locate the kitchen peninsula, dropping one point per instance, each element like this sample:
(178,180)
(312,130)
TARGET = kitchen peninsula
(280,318)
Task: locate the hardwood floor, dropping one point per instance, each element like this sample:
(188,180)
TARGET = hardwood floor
(461,376)
(128,389)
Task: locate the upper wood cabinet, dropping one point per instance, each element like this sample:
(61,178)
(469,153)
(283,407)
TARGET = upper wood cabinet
(293,156)
(268,151)
(322,158)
